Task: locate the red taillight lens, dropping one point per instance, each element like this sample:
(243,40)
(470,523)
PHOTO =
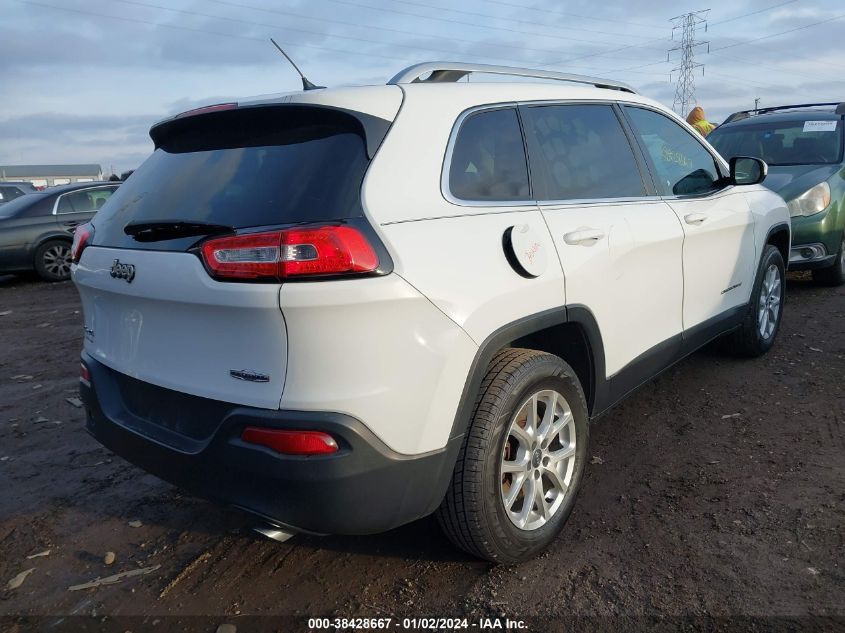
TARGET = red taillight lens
(81,236)
(324,250)
(291,442)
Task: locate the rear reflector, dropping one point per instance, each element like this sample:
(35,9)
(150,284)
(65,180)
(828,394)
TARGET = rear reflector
(84,375)
(291,442)
(324,250)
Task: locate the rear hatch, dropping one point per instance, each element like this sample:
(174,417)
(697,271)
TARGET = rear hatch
(155,308)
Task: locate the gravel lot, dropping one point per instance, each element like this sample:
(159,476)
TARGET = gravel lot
(716,491)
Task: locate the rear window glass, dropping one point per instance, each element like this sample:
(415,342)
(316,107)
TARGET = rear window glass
(84,201)
(801,142)
(10,193)
(19,205)
(488,159)
(251,167)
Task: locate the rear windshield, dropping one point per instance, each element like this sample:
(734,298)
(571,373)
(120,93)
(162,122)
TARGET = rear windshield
(801,142)
(250,167)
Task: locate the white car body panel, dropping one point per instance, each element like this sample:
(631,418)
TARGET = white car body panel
(379,101)
(460,265)
(175,327)
(378,350)
(720,260)
(769,210)
(630,278)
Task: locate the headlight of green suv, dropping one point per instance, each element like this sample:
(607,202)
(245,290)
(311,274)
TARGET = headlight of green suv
(812,201)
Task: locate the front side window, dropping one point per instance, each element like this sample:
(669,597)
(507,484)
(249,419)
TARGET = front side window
(85,201)
(682,165)
(580,152)
(488,158)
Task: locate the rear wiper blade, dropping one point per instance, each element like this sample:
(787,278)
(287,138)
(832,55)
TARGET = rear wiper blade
(172,229)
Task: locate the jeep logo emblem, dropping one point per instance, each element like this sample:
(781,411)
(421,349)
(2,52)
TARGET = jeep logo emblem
(123,271)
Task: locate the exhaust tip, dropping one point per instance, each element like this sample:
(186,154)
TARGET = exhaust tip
(273,532)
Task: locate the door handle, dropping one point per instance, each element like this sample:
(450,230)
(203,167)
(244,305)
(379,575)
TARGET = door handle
(695,218)
(586,237)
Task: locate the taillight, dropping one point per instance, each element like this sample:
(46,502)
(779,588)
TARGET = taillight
(291,442)
(81,237)
(324,250)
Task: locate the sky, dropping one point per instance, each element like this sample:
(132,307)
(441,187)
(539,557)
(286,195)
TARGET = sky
(83,80)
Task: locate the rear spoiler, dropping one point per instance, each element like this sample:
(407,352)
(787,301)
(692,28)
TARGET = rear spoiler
(374,128)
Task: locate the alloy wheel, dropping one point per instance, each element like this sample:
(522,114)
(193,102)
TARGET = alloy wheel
(771,295)
(56,260)
(538,460)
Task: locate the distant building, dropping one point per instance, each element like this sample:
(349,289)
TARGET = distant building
(49,175)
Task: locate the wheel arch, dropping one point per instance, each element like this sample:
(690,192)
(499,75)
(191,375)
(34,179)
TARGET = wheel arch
(49,237)
(570,332)
(780,237)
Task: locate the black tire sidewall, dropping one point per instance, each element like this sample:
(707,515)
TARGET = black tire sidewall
(515,544)
(770,256)
(39,260)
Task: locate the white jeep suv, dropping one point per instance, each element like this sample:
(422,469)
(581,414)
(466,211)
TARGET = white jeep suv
(345,309)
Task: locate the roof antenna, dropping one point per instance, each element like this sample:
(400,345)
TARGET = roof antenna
(306,85)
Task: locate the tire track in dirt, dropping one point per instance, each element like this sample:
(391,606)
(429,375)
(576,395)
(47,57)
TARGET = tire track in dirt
(689,512)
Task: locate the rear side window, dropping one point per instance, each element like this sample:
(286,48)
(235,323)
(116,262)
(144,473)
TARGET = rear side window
(84,201)
(682,165)
(580,152)
(248,167)
(488,158)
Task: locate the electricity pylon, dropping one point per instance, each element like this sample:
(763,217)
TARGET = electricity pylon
(689,24)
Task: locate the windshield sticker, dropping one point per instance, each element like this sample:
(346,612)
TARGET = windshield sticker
(819,126)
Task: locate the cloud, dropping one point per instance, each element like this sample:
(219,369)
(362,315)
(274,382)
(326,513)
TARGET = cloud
(52,137)
(80,86)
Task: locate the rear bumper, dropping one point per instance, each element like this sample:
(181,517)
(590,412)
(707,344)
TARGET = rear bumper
(195,444)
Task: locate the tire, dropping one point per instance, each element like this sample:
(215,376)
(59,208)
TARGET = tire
(52,260)
(832,275)
(762,322)
(473,514)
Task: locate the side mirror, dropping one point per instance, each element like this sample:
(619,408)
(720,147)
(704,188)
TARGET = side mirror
(746,170)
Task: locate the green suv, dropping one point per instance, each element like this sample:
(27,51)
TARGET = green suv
(803,146)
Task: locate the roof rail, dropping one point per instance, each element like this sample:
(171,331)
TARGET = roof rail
(442,72)
(744,114)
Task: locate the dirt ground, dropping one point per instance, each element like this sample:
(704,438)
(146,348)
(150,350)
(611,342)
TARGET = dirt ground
(715,498)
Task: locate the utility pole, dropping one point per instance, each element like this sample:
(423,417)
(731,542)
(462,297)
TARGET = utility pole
(688,24)
(756,101)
